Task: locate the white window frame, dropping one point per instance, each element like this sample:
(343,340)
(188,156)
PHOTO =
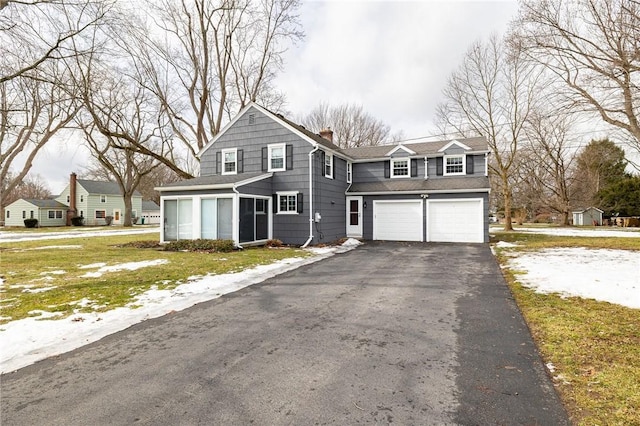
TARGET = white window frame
(24,214)
(400,160)
(445,165)
(233,151)
(270,157)
(68,198)
(349,172)
(57,214)
(95,214)
(103,198)
(328,165)
(288,194)
(82,198)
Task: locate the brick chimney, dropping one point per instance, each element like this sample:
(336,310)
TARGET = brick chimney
(73,184)
(327,134)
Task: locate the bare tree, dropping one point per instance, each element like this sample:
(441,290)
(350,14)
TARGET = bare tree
(550,164)
(352,126)
(592,46)
(204,60)
(34,187)
(32,111)
(492,94)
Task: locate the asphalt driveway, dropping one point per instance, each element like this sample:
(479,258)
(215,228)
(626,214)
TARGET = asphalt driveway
(388,333)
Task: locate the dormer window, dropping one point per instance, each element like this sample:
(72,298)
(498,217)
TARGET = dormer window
(229,161)
(400,167)
(454,165)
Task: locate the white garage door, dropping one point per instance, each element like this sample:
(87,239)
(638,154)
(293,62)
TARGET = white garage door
(456,221)
(397,220)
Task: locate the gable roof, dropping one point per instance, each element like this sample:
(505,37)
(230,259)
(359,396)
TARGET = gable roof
(309,136)
(150,205)
(476,145)
(452,143)
(101,187)
(46,204)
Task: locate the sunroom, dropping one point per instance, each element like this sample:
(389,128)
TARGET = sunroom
(210,209)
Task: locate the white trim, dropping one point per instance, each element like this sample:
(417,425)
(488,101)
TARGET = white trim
(330,157)
(402,147)
(397,160)
(286,194)
(358,228)
(426,168)
(463,164)
(235,161)
(349,172)
(454,142)
(270,148)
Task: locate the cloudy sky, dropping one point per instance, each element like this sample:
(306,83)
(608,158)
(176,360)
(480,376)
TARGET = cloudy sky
(392,57)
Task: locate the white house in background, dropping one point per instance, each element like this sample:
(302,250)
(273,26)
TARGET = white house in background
(93,200)
(150,213)
(589,216)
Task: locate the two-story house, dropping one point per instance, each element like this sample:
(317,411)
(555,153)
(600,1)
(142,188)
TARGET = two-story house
(265,177)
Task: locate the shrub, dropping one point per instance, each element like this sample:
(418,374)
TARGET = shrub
(77,221)
(207,246)
(274,243)
(144,244)
(108,220)
(30,223)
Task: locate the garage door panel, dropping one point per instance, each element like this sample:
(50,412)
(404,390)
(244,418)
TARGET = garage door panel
(455,221)
(398,220)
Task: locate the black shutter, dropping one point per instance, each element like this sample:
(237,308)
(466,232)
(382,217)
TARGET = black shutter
(274,203)
(218,162)
(469,164)
(322,158)
(289,154)
(300,202)
(240,161)
(265,159)
(439,166)
(387,169)
(414,168)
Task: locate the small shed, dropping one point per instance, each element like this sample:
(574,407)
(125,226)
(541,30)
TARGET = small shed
(150,213)
(587,217)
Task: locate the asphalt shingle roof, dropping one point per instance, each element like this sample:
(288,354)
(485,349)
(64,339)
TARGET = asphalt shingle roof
(100,187)
(422,185)
(214,180)
(46,204)
(420,148)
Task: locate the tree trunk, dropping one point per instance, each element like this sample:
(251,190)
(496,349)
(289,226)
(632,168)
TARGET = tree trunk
(127,208)
(507,204)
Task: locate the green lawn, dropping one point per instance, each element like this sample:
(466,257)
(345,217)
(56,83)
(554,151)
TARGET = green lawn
(594,346)
(53,276)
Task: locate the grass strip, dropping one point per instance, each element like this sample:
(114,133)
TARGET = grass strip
(594,346)
(64,275)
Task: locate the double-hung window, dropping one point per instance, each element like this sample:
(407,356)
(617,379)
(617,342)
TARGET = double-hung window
(328,166)
(287,202)
(229,161)
(454,165)
(103,198)
(276,157)
(101,214)
(400,167)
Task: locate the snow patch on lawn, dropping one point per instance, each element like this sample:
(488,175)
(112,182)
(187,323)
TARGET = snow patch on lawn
(38,290)
(130,266)
(602,274)
(29,340)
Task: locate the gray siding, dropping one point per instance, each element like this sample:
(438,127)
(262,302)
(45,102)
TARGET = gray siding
(330,201)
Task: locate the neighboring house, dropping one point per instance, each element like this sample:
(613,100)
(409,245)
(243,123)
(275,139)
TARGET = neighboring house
(264,177)
(589,216)
(150,213)
(93,200)
(48,212)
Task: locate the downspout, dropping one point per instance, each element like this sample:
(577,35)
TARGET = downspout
(238,194)
(310,196)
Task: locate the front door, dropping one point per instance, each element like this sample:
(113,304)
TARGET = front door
(117,217)
(354,216)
